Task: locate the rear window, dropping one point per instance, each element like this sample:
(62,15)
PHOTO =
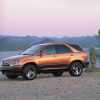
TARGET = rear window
(76,47)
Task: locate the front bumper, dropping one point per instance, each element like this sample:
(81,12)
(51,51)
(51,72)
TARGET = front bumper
(11,69)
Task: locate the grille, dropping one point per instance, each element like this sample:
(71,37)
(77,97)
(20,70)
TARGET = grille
(5,63)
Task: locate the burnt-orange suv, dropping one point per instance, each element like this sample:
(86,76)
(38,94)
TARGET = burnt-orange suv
(54,58)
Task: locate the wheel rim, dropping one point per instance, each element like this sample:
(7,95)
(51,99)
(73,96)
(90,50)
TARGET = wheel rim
(30,74)
(77,68)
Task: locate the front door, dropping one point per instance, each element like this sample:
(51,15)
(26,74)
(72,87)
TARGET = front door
(48,59)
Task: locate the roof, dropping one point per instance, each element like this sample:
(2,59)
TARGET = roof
(75,46)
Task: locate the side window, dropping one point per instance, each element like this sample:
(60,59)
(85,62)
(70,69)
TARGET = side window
(49,50)
(62,49)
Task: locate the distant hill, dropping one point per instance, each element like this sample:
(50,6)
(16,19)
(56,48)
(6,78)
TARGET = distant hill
(88,41)
(8,43)
(19,43)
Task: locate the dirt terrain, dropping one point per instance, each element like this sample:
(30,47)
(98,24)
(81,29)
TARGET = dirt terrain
(47,87)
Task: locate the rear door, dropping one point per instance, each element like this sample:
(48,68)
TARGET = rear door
(63,54)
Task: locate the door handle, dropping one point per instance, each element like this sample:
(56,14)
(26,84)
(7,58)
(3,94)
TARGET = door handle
(54,55)
(71,55)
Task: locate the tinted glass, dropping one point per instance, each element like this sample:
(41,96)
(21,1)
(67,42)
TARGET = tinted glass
(62,49)
(76,47)
(49,50)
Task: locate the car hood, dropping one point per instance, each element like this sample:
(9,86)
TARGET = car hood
(16,57)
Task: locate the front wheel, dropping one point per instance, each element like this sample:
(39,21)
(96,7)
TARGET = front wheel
(76,69)
(29,72)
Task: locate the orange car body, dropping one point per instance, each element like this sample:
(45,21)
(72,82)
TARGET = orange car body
(46,61)
(64,58)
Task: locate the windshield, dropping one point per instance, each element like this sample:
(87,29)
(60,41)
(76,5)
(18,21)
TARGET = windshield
(31,50)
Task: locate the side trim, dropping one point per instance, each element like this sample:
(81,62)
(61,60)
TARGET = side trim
(53,66)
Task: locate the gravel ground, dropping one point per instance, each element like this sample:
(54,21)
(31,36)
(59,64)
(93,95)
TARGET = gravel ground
(47,87)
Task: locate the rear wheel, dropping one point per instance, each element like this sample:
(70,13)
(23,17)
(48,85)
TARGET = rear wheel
(29,72)
(76,69)
(57,74)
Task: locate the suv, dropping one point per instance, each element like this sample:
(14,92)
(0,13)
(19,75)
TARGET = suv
(54,58)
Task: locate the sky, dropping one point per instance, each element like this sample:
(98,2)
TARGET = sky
(49,17)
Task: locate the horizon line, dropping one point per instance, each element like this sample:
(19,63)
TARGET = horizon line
(49,36)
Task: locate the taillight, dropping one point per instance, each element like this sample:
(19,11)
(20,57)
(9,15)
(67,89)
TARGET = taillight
(85,55)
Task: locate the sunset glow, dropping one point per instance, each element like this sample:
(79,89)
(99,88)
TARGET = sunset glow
(49,17)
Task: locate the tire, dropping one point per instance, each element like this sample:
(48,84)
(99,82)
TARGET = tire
(11,76)
(29,72)
(76,69)
(57,74)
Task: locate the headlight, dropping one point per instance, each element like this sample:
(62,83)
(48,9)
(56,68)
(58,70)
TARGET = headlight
(10,62)
(14,62)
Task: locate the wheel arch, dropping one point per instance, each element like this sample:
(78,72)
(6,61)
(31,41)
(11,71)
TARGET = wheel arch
(77,61)
(31,63)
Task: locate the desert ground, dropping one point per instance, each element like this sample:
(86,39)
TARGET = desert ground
(48,87)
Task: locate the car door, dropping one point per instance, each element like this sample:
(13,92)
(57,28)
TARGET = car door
(47,60)
(63,54)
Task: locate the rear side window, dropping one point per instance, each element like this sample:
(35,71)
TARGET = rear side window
(62,49)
